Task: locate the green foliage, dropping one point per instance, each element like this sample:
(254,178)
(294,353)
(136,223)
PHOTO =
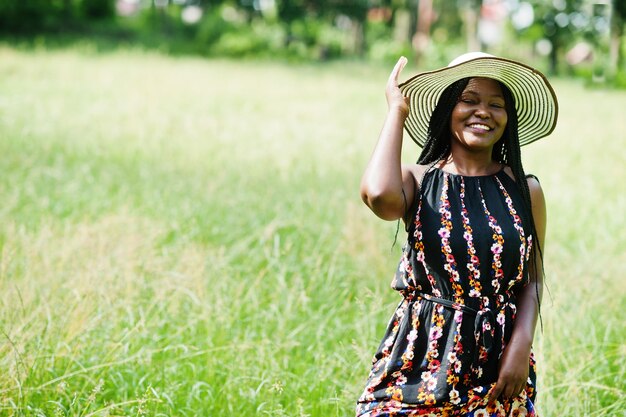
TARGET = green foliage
(98,9)
(449,16)
(388,51)
(37,16)
(292,10)
(26,16)
(300,29)
(620,80)
(243,42)
(596,78)
(620,8)
(306,31)
(567,22)
(213,27)
(332,43)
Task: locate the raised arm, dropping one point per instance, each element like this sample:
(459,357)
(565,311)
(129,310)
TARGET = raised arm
(384,179)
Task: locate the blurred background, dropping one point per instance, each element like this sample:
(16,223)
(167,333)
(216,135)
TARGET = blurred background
(575,37)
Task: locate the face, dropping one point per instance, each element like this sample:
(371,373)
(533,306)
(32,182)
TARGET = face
(479,118)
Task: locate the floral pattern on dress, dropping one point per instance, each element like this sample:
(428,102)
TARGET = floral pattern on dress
(464,260)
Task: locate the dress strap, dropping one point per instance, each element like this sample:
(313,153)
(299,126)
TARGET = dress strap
(532,176)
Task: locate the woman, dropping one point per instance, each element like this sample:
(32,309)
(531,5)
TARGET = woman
(459,343)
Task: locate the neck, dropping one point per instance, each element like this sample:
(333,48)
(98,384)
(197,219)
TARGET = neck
(464,162)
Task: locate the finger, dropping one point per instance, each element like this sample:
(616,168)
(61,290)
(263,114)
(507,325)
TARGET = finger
(496,392)
(512,391)
(401,64)
(507,392)
(397,69)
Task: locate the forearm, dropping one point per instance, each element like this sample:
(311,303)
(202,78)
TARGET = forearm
(528,301)
(529,297)
(382,182)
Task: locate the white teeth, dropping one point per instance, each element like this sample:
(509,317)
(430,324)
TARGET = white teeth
(479,126)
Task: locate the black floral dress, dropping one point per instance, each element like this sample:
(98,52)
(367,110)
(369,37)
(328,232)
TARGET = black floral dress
(465,258)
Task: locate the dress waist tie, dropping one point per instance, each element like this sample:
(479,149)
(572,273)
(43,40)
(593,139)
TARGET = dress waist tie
(484,323)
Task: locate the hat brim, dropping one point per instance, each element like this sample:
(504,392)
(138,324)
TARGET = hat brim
(535,101)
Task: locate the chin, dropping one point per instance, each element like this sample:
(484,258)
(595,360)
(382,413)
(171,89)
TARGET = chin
(478,143)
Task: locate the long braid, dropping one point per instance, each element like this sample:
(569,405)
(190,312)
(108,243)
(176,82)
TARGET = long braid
(507,151)
(511,155)
(437,143)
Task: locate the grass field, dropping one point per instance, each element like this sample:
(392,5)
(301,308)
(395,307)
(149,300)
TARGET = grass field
(181,237)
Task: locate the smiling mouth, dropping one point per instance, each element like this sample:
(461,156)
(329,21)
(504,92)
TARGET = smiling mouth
(480,127)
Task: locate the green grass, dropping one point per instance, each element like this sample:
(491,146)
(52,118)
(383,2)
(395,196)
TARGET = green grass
(182,237)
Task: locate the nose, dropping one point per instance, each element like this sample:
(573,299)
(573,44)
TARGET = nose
(481,112)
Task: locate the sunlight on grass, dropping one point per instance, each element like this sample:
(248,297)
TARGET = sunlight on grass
(185,237)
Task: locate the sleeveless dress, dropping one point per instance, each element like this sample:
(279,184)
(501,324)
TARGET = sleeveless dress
(464,260)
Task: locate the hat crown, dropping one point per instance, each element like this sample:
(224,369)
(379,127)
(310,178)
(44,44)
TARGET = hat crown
(468,57)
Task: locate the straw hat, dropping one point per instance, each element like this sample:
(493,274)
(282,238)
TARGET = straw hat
(535,102)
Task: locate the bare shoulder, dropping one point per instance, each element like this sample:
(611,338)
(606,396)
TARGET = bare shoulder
(534,186)
(538,207)
(538,202)
(416,171)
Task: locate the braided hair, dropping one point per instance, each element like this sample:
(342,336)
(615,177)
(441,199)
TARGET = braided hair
(505,151)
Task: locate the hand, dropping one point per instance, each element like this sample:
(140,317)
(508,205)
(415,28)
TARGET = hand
(513,372)
(395,98)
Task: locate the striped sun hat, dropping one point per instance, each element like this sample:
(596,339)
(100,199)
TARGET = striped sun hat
(535,102)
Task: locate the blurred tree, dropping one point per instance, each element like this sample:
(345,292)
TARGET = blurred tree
(34,16)
(25,16)
(555,20)
(303,13)
(450,17)
(356,10)
(68,10)
(329,28)
(290,11)
(425,18)
(470,11)
(618,19)
(96,9)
